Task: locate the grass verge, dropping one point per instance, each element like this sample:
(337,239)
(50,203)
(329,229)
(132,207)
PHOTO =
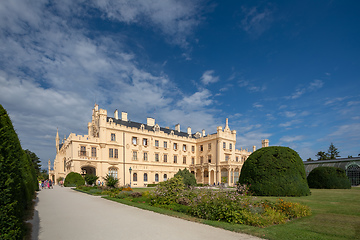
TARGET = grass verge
(336,215)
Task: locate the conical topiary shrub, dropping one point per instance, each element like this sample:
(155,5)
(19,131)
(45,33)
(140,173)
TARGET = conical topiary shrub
(275,171)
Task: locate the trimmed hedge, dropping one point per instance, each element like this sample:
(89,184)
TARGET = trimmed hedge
(275,171)
(74,179)
(17,181)
(328,178)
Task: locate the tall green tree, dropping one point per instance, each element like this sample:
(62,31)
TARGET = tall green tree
(322,156)
(35,161)
(187,177)
(333,152)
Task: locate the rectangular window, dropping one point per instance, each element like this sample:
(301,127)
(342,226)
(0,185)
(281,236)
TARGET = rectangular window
(116,153)
(224,145)
(175,146)
(145,156)
(134,140)
(165,157)
(184,160)
(145,142)
(201,160)
(165,144)
(192,160)
(93,151)
(156,143)
(193,148)
(209,146)
(184,147)
(134,155)
(111,153)
(156,157)
(226,157)
(209,159)
(82,151)
(230,146)
(175,159)
(113,137)
(201,148)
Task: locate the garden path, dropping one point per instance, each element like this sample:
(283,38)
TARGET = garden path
(62,213)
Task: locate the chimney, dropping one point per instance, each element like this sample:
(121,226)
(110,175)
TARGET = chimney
(189,130)
(177,127)
(116,115)
(203,132)
(124,116)
(254,148)
(265,143)
(150,122)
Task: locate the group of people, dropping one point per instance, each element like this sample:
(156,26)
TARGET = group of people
(46,184)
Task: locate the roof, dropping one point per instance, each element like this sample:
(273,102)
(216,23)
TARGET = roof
(332,160)
(149,128)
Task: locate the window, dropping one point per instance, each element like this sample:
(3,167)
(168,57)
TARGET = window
(165,144)
(175,159)
(201,148)
(113,137)
(209,146)
(175,146)
(193,148)
(156,177)
(113,172)
(184,160)
(226,157)
(224,145)
(135,177)
(134,140)
(134,155)
(165,177)
(184,147)
(237,159)
(111,153)
(192,160)
(165,157)
(93,151)
(145,177)
(209,158)
(145,156)
(82,151)
(145,142)
(156,143)
(201,160)
(156,157)
(116,153)
(230,146)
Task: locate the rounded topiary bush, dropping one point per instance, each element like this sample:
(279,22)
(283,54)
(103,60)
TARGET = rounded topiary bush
(74,179)
(275,171)
(329,178)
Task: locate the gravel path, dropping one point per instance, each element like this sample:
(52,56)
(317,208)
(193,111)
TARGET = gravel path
(62,213)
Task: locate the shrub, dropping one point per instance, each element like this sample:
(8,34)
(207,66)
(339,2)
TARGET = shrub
(275,171)
(169,191)
(152,185)
(74,179)
(328,178)
(90,179)
(111,181)
(17,181)
(188,177)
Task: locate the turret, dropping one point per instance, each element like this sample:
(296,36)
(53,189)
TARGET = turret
(57,140)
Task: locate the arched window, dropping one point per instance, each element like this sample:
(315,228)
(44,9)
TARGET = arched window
(113,172)
(135,177)
(156,177)
(165,177)
(145,177)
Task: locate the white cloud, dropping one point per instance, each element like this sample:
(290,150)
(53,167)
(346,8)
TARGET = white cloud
(258,105)
(289,114)
(353,103)
(251,87)
(208,77)
(313,86)
(291,138)
(256,21)
(290,123)
(197,100)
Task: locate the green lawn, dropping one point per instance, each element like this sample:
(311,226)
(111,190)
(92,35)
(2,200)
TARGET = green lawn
(336,215)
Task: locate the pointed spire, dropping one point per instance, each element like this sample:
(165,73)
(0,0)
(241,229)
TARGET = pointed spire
(57,140)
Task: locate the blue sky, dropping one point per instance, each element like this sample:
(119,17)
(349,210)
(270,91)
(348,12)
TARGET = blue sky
(283,70)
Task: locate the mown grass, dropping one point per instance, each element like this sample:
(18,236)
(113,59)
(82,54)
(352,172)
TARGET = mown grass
(336,215)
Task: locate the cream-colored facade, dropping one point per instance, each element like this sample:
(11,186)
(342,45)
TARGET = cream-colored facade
(154,154)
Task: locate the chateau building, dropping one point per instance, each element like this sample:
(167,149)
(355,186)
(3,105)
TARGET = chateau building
(143,154)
